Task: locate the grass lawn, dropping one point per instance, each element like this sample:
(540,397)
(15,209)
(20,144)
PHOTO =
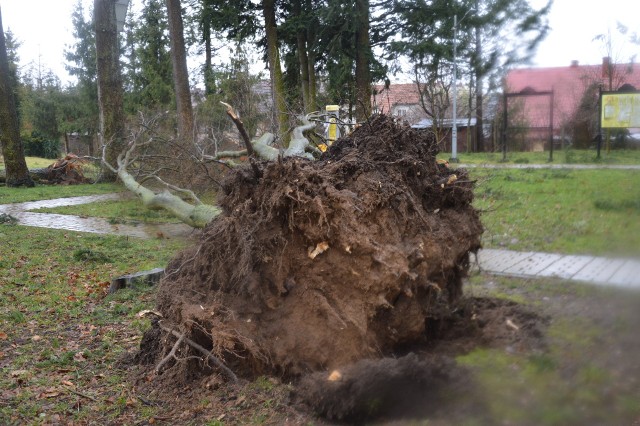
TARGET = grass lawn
(47,192)
(587,374)
(60,334)
(560,210)
(32,162)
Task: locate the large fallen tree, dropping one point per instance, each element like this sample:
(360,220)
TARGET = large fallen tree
(192,211)
(312,265)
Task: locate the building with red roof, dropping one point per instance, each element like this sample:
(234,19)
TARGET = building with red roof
(403,100)
(574,105)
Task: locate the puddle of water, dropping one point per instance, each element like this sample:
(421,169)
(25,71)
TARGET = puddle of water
(88,224)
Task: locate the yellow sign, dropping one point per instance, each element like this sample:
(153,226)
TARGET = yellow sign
(620,110)
(333,133)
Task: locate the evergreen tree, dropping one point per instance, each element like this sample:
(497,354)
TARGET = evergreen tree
(81,111)
(345,38)
(150,69)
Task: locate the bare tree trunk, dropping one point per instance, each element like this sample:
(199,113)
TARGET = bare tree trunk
(196,213)
(275,72)
(208,67)
(180,72)
(311,57)
(363,52)
(303,60)
(66,142)
(479,92)
(17,173)
(110,92)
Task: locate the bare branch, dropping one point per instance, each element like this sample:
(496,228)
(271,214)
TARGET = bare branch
(170,355)
(187,192)
(225,370)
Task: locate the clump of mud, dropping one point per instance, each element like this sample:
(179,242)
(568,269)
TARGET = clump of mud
(409,386)
(318,264)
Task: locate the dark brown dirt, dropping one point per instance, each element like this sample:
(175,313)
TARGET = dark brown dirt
(315,265)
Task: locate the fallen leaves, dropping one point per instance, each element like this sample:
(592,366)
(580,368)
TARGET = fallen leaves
(79,357)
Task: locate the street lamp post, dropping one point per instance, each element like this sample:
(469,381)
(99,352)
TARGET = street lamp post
(121,13)
(454,128)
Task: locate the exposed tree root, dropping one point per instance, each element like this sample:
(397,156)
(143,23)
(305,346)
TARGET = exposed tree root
(181,337)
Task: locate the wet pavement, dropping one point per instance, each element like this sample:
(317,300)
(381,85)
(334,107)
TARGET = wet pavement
(25,215)
(591,269)
(551,166)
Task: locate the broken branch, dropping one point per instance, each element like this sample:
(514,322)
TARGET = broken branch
(227,372)
(240,125)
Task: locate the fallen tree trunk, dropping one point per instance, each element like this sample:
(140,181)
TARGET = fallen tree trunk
(35,174)
(196,213)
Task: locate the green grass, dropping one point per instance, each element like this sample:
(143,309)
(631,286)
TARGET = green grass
(58,324)
(560,210)
(568,156)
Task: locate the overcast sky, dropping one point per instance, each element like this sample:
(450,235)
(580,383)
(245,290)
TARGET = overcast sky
(44,28)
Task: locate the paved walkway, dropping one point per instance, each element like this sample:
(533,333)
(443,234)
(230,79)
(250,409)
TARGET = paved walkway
(550,166)
(596,270)
(23,212)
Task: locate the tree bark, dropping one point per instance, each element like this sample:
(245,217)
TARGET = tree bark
(479,91)
(311,56)
(303,59)
(17,173)
(275,71)
(110,91)
(180,72)
(208,66)
(363,53)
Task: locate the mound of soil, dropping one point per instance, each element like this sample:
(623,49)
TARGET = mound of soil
(319,264)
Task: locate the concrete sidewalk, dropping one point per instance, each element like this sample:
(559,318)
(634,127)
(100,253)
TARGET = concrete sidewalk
(549,166)
(591,269)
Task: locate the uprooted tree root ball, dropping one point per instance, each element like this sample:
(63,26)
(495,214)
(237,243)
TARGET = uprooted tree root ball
(318,264)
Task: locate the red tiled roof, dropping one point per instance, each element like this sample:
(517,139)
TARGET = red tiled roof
(568,84)
(397,94)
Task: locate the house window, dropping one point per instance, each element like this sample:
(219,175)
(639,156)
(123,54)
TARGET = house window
(402,112)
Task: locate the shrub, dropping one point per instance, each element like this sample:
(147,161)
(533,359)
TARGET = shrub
(38,145)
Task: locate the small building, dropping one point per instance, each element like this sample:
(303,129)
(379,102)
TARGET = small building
(575,99)
(403,100)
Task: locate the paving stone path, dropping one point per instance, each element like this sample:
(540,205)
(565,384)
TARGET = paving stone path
(23,212)
(596,270)
(551,166)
